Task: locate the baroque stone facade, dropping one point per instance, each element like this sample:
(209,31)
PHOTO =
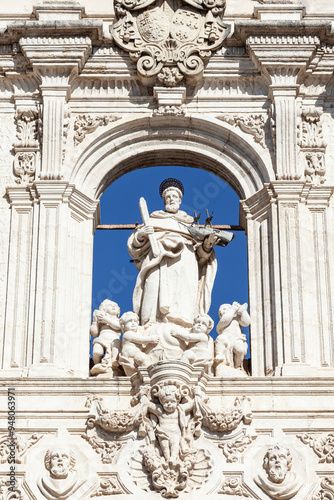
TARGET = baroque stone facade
(89,91)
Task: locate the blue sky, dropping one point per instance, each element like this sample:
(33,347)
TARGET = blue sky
(114,275)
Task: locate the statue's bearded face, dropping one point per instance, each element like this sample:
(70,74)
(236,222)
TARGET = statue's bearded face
(172,201)
(277,467)
(60,464)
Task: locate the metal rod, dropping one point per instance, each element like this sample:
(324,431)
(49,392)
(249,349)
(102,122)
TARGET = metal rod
(226,227)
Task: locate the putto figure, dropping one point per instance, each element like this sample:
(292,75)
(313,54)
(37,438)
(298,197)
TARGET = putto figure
(62,480)
(175,284)
(106,327)
(136,344)
(278,481)
(231,346)
(199,351)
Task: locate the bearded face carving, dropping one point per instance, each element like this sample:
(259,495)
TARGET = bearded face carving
(277,462)
(277,480)
(59,463)
(61,479)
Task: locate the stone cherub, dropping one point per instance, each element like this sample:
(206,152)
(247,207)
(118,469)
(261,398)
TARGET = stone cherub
(136,344)
(277,480)
(169,425)
(231,345)
(199,351)
(106,327)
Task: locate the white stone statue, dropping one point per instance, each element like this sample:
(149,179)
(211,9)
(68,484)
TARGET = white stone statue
(106,327)
(199,350)
(137,343)
(61,480)
(277,480)
(174,285)
(231,345)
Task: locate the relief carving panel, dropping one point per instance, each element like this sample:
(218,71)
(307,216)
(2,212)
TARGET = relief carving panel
(169,41)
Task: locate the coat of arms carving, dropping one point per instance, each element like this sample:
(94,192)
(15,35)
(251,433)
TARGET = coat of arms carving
(170,40)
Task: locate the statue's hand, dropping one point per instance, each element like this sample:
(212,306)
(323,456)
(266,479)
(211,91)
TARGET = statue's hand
(209,242)
(236,306)
(144,232)
(99,315)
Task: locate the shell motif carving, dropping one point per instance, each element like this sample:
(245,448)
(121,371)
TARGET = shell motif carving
(169,41)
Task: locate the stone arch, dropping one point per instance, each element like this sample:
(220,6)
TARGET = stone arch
(189,141)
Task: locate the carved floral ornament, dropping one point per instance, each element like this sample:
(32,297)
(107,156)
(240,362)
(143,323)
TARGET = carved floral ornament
(169,40)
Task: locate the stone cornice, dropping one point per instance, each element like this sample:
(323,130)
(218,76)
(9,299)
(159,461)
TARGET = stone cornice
(321,29)
(17,29)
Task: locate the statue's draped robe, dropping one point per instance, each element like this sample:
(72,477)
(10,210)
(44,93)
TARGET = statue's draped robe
(176,285)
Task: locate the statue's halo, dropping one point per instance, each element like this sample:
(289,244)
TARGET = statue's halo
(171,182)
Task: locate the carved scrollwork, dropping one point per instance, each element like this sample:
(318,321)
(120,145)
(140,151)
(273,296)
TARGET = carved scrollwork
(312,145)
(233,485)
(171,44)
(27,144)
(232,448)
(109,485)
(22,444)
(327,489)
(8,492)
(322,445)
(25,167)
(251,124)
(86,124)
(169,111)
(106,448)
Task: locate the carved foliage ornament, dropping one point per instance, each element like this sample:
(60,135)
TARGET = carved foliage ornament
(251,124)
(86,124)
(27,145)
(327,489)
(233,486)
(322,445)
(169,40)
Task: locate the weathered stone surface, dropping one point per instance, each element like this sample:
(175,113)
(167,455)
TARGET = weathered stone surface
(77,110)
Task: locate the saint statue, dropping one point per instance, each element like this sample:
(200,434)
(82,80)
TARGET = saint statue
(175,281)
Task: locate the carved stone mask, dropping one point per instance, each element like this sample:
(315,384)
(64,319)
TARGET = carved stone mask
(60,463)
(277,465)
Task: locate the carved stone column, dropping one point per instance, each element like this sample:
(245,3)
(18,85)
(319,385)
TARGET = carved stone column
(17,336)
(291,303)
(282,60)
(49,280)
(63,280)
(55,59)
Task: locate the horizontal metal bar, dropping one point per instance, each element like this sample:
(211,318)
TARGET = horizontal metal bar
(226,227)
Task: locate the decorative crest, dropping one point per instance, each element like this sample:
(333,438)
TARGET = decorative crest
(169,40)
(171,182)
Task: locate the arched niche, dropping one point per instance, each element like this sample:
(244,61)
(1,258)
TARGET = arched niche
(67,211)
(196,142)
